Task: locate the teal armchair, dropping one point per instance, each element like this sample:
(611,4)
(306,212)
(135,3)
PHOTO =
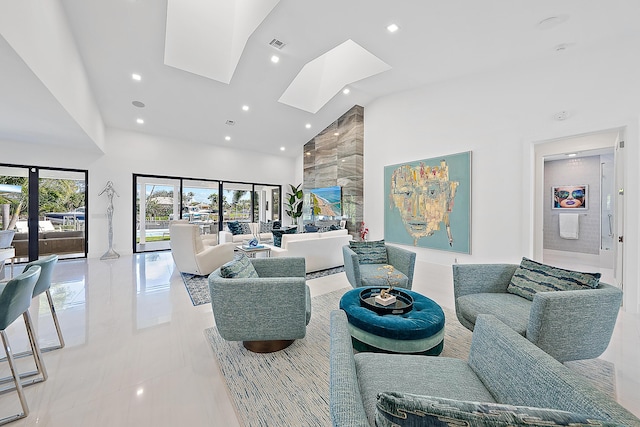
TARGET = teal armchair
(568,325)
(358,274)
(266,313)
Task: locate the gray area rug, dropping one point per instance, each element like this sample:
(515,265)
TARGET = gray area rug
(291,387)
(198,286)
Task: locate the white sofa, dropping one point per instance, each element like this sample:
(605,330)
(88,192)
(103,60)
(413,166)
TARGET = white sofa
(226,236)
(320,250)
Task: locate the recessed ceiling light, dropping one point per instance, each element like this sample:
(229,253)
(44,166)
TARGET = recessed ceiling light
(336,133)
(392,28)
(572,154)
(346,91)
(308,125)
(140,121)
(227,138)
(282,148)
(275,59)
(308,153)
(136,77)
(138,104)
(245,108)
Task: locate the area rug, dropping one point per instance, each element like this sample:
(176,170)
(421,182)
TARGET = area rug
(291,387)
(198,286)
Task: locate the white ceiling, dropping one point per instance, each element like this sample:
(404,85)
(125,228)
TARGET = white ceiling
(436,41)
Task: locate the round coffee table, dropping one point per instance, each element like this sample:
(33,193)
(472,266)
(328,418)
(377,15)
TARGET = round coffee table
(419,331)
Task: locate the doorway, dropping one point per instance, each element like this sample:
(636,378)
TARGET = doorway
(594,164)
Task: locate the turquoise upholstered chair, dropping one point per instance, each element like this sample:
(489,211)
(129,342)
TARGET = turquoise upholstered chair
(47,265)
(15,299)
(267,313)
(568,324)
(373,274)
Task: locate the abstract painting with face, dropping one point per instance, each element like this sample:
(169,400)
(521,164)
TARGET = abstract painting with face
(423,196)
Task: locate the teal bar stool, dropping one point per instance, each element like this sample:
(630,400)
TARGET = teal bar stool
(47,265)
(15,299)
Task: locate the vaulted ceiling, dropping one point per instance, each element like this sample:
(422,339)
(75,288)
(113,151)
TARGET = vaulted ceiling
(201,61)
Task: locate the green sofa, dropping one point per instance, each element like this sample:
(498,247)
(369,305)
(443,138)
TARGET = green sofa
(503,368)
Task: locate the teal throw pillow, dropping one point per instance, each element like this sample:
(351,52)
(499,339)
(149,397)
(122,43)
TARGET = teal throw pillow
(403,409)
(370,252)
(277,235)
(239,268)
(532,277)
(234,227)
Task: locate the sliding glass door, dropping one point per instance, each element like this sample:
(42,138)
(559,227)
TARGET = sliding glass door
(47,209)
(210,204)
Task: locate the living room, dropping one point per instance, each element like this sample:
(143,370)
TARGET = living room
(501,113)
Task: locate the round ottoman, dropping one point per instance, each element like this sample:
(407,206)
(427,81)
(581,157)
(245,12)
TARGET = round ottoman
(420,331)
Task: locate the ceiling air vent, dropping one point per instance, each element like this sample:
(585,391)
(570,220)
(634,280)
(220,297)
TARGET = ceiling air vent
(230,122)
(277,43)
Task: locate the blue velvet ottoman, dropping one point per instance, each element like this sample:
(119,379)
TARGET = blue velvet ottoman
(420,331)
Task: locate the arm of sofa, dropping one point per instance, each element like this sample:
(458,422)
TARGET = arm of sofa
(351,266)
(279,267)
(574,325)
(403,260)
(261,309)
(481,278)
(345,401)
(225,236)
(517,372)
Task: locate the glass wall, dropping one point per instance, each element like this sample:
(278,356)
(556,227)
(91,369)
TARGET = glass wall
(206,203)
(47,209)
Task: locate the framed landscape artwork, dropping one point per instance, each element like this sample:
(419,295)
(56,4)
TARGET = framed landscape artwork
(569,197)
(326,201)
(428,203)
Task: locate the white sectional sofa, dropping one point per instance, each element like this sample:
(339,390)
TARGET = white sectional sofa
(225,236)
(320,250)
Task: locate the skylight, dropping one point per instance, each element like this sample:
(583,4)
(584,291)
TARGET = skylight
(321,79)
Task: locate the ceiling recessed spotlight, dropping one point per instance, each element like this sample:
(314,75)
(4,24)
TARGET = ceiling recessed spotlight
(308,153)
(346,91)
(138,104)
(336,133)
(140,121)
(230,123)
(245,108)
(308,125)
(282,148)
(136,77)
(227,138)
(275,59)
(392,28)
(572,154)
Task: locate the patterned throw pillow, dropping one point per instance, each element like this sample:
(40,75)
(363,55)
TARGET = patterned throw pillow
(398,409)
(277,235)
(266,227)
(532,277)
(246,229)
(277,224)
(234,227)
(239,268)
(370,252)
(310,228)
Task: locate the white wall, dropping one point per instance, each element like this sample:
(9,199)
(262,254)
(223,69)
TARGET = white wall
(499,116)
(130,152)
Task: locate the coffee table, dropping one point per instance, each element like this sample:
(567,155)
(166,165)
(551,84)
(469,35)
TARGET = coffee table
(419,331)
(251,252)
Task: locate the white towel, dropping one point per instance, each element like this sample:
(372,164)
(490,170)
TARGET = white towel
(569,226)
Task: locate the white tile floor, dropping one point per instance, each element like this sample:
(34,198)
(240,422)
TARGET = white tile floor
(136,354)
